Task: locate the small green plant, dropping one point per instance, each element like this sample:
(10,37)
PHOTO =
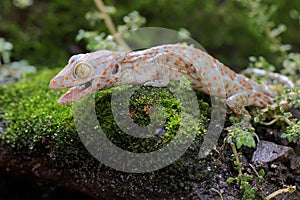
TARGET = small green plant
(23,3)
(239,134)
(243,180)
(5,50)
(291,65)
(112,41)
(260,177)
(10,69)
(260,13)
(277,113)
(261,63)
(292,133)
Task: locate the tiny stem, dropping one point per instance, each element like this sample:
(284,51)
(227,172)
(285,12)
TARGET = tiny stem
(236,156)
(110,25)
(220,194)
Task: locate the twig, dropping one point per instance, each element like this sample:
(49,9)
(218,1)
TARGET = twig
(276,118)
(217,191)
(253,168)
(110,25)
(289,189)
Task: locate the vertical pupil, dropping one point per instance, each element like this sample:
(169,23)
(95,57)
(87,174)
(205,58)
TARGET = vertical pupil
(115,69)
(82,70)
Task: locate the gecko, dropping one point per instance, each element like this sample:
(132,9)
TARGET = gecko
(157,66)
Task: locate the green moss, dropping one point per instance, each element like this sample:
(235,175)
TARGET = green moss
(37,123)
(34,118)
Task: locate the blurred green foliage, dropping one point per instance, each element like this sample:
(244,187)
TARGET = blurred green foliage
(10,71)
(44,31)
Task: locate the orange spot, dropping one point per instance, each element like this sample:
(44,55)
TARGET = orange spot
(73,81)
(215,78)
(262,103)
(176,63)
(231,77)
(132,67)
(226,86)
(104,73)
(98,84)
(95,67)
(188,73)
(107,80)
(209,84)
(72,61)
(186,66)
(179,70)
(116,78)
(219,90)
(212,67)
(62,85)
(259,95)
(194,71)
(237,89)
(66,78)
(199,79)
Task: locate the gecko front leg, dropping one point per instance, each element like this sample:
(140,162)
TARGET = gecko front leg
(161,77)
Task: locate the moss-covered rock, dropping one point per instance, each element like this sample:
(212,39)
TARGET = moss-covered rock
(34,118)
(40,138)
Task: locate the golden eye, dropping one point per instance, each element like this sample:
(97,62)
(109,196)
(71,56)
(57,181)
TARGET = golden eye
(82,70)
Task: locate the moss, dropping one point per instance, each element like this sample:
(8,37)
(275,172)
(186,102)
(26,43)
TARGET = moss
(36,121)
(34,118)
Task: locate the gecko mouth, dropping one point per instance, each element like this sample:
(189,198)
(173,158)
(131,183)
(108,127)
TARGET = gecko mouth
(75,93)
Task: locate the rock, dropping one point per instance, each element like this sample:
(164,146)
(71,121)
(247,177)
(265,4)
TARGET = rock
(295,164)
(268,152)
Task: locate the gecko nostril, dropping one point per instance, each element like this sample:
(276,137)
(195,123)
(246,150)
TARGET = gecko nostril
(52,84)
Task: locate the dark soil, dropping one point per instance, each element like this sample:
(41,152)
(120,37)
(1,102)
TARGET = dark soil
(28,177)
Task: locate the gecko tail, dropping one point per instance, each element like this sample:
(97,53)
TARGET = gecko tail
(275,76)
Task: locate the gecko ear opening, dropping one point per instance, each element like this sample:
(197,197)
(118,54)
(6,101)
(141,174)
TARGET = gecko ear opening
(115,69)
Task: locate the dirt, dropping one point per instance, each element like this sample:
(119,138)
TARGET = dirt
(96,181)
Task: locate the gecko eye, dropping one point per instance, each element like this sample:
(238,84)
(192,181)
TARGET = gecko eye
(82,70)
(115,69)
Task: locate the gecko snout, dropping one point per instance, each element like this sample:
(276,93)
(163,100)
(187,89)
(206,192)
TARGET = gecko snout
(53,85)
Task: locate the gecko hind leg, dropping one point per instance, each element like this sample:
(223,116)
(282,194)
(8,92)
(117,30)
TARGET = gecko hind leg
(239,101)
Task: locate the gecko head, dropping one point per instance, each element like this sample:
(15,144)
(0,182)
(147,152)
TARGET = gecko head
(86,73)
